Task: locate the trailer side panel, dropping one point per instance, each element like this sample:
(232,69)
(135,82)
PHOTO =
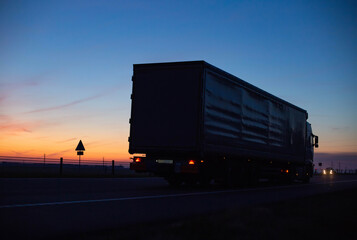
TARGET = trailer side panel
(238,120)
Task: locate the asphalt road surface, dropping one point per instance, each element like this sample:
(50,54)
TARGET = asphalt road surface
(42,208)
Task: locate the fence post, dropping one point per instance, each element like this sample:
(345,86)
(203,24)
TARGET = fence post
(113,167)
(61,165)
(103,167)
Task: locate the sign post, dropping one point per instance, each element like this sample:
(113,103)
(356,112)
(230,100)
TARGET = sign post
(80,149)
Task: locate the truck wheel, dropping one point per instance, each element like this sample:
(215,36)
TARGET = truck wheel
(174,181)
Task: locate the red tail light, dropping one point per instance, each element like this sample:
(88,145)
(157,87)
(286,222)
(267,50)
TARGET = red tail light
(137,160)
(191,162)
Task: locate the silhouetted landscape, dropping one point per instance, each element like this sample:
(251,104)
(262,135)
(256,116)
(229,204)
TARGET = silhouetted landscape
(178,119)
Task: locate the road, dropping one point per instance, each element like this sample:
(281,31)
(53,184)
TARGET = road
(42,208)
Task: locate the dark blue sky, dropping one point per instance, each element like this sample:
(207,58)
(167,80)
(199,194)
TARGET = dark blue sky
(65,61)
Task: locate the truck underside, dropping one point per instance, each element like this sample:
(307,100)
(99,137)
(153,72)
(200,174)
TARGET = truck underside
(229,171)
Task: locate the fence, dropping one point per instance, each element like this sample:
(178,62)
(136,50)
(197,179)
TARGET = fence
(46,167)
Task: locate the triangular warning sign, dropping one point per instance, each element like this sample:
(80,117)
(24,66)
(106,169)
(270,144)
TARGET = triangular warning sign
(80,146)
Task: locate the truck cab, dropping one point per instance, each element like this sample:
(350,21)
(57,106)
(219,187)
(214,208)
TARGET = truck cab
(312,141)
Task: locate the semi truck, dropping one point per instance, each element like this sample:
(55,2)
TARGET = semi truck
(192,122)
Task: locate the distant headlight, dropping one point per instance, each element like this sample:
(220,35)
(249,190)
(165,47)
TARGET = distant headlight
(331,172)
(324,172)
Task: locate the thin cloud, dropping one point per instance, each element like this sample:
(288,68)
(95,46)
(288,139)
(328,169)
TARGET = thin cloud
(13,127)
(31,82)
(339,128)
(67,140)
(3,97)
(60,152)
(20,127)
(7,123)
(42,137)
(95,144)
(4,117)
(66,105)
(22,153)
(11,84)
(26,130)
(72,103)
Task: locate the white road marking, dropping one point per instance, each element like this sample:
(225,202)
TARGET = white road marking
(164,196)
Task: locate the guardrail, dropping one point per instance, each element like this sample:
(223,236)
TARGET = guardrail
(11,166)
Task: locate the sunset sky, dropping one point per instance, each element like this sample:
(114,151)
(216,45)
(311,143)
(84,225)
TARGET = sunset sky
(66,66)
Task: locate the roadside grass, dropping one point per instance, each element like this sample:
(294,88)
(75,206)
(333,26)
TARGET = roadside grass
(69,171)
(325,216)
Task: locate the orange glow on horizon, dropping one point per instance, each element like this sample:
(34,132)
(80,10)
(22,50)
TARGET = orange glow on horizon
(36,137)
(28,146)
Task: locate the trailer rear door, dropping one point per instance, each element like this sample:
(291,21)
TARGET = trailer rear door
(165,107)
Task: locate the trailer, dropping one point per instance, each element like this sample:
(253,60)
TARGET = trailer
(193,122)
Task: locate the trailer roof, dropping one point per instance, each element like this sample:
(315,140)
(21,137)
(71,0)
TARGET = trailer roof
(222,72)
